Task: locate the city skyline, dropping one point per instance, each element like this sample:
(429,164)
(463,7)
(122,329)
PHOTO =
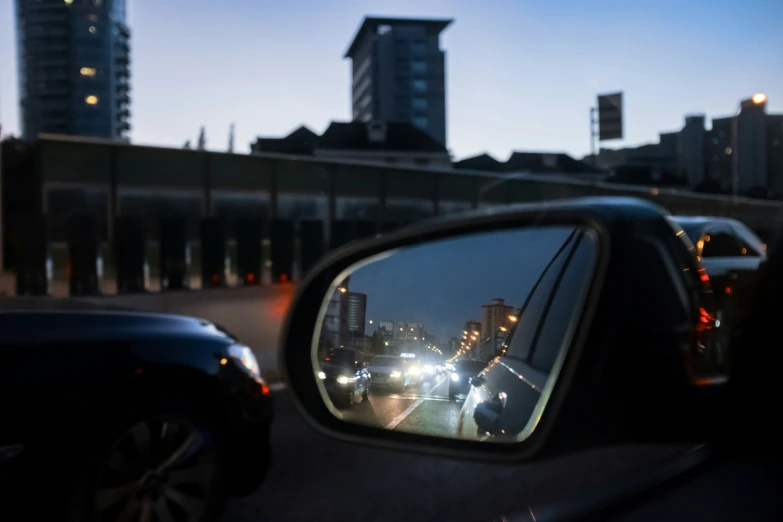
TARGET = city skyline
(414,283)
(671,60)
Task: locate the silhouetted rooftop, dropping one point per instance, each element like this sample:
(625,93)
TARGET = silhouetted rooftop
(371,23)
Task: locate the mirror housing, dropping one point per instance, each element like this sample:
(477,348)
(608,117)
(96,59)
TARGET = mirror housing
(627,377)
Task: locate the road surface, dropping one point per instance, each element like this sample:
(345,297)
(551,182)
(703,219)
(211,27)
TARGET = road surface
(314,477)
(421,408)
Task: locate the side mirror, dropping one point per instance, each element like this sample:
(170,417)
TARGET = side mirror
(593,332)
(478,380)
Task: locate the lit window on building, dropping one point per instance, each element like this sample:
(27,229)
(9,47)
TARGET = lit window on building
(419,67)
(88,71)
(420,85)
(91,100)
(420,104)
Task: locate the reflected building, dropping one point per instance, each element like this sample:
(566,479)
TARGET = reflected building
(353,309)
(494,317)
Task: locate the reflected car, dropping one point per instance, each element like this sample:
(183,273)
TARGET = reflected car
(345,377)
(459,380)
(179,397)
(415,370)
(389,371)
(731,254)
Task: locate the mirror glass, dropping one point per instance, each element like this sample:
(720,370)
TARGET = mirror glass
(461,337)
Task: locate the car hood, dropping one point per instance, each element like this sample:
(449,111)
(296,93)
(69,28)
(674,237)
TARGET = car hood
(36,326)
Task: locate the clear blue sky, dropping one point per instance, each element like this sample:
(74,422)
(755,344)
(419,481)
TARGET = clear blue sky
(520,74)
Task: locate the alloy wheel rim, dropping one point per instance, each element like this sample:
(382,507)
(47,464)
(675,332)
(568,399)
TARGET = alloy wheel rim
(159,470)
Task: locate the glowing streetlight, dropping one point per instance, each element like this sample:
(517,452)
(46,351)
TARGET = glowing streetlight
(343,290)
(759,98)
(503,329)
(512,318)
(370,321)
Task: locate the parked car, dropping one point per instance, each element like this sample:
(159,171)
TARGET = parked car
(389,371)
(104,411)
(345,376)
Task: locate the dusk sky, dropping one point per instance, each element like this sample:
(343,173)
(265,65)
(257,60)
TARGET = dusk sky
(443,284)
(520,74)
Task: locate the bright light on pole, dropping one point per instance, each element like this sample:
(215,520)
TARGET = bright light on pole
(759,98)
(512,318)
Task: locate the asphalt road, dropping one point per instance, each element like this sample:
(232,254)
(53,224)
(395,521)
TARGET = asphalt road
(421,408)
(314,477)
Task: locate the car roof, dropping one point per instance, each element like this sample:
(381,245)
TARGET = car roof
(705,220)
(71,325)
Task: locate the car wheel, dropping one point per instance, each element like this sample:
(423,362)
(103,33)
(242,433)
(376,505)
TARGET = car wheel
(152,464)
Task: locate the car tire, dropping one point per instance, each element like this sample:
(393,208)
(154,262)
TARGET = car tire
(184,462)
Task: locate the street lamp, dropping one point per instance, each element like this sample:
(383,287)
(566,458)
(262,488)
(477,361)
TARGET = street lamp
(759,98)
(512,318)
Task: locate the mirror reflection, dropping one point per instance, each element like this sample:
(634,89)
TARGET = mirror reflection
(460,337)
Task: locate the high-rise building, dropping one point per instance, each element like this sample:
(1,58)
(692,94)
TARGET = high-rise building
(399,73)
(691,149)
(74,67)
(750,160)
(494,317)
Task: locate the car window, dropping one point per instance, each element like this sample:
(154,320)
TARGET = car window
(387,361)
(566,303)
(342,356)
(523,335)
(753,246)
(470,366)
(721,243)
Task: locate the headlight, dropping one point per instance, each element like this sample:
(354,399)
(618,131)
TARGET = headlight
(428,369)
(415,370)
(321,375)
(396,374)
(455,377)
(344,380)
(244,356)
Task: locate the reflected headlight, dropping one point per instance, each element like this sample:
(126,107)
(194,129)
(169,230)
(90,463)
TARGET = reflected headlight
(396,374)
(321,375)
(244,356)
(455,377)
(344,380)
